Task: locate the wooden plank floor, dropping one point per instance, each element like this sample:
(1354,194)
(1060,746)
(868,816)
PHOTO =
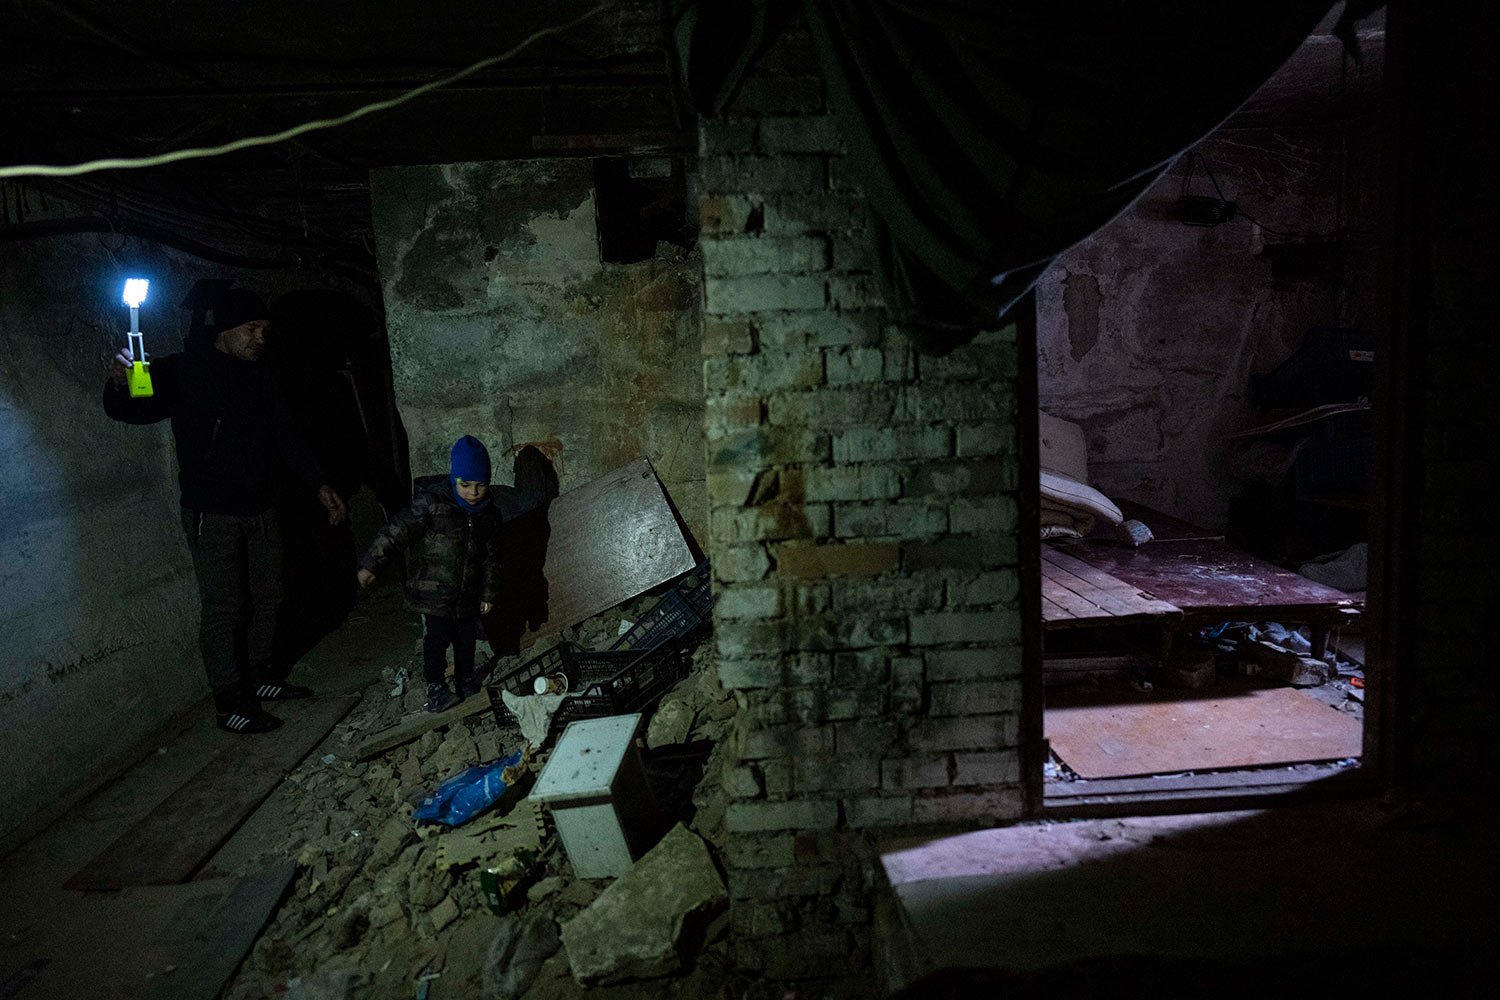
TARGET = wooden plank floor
(172,842)
(1075,593)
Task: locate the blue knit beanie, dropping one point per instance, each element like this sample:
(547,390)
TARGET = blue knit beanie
(469,460)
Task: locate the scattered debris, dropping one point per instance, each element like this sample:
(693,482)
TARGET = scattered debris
(1285,664)
(379,901)
(517,952)
(640,927)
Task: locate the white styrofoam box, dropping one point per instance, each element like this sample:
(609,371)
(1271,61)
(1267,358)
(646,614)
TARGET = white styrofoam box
(596,787)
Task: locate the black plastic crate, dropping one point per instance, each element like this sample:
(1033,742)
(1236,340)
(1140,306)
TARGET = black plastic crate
(1333,365)
(557,660)
(606,682)
(681,611)
(612,682)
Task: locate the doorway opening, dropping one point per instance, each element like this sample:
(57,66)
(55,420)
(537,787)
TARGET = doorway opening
(1205,394)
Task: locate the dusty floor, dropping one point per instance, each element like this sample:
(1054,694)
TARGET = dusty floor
(371,911)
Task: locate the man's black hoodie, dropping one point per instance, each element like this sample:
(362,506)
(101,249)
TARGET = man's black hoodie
(233,430)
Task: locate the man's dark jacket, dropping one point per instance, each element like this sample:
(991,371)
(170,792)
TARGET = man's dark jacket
(235,436)
(452,554)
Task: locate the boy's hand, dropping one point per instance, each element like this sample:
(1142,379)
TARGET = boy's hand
(365,577)
(485,607)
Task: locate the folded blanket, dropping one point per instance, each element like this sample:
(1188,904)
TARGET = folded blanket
(1067,503)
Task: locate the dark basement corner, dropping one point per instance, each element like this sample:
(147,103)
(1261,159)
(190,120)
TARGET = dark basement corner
(972,501)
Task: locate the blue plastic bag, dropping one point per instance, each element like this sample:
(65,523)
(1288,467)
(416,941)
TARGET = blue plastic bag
(467,794)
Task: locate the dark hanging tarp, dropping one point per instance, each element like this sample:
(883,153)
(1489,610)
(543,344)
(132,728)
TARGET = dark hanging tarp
(990,137)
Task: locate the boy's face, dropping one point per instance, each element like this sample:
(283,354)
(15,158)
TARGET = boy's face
(471,491)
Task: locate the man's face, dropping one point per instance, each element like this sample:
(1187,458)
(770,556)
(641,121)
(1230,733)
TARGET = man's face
(470,490)
(246,341)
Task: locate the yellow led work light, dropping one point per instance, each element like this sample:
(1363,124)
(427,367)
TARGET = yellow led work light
(138,378)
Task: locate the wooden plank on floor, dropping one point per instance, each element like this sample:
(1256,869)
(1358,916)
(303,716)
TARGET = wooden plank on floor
(169,844)
(1052,611)
(1069,602)
(1117,602)
(221,943)
(1144,602)
(1172,731)
(417,724)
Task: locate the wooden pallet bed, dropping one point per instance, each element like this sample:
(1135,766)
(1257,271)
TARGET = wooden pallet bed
(1186,578)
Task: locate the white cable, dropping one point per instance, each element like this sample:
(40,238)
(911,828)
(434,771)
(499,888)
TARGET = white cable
(249,142)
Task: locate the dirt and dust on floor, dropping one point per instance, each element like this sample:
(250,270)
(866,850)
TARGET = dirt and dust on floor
(383,905)
(1238,696)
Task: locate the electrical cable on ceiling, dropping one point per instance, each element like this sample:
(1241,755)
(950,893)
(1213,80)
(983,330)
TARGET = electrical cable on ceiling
(250,142)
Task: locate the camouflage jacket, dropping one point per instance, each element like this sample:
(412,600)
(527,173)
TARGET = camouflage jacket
(452,555)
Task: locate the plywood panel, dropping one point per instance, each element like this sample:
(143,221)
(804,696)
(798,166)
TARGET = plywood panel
(590,549)
(1164,733)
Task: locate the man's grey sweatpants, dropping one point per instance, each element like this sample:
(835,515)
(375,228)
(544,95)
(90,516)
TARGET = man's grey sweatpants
(237,560)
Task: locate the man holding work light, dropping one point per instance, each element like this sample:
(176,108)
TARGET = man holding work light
(235,439)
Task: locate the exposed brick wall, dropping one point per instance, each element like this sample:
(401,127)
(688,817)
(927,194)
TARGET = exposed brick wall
(863,532)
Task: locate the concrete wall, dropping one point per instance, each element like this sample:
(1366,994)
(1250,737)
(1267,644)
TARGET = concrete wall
(97,594)
(863,538)
(504,324)
(1150,329)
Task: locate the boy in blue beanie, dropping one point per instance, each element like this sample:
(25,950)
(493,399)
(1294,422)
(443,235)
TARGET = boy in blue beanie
(452,530)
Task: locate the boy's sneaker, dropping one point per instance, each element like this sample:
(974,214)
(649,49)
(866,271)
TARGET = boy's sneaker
(469,686)
(440,698)
(282,691)
(247,720)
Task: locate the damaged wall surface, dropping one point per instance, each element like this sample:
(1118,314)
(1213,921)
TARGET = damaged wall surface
(100,641)
(1149,331)
(504,324)
(863,539)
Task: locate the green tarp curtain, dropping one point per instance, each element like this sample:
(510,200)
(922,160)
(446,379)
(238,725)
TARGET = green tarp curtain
(990,137)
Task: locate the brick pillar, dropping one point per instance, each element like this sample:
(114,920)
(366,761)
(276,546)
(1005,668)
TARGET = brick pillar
(863,536)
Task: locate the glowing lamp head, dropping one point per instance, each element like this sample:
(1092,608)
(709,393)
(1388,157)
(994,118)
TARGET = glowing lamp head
(135,292)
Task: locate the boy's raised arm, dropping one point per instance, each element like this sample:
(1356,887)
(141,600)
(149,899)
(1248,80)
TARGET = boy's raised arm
(406,527)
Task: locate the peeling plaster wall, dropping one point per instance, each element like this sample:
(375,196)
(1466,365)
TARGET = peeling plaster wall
(1149,330)
(504,324)
(96,590)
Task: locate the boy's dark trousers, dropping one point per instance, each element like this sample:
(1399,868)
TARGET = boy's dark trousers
(461,634)
(237,560)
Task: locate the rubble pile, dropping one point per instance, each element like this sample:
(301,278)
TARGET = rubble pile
(382,906)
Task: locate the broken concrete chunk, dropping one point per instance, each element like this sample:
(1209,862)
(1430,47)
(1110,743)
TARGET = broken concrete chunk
(444,913)
(1285,664)
(651,918)
(670,725)
(543,888)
